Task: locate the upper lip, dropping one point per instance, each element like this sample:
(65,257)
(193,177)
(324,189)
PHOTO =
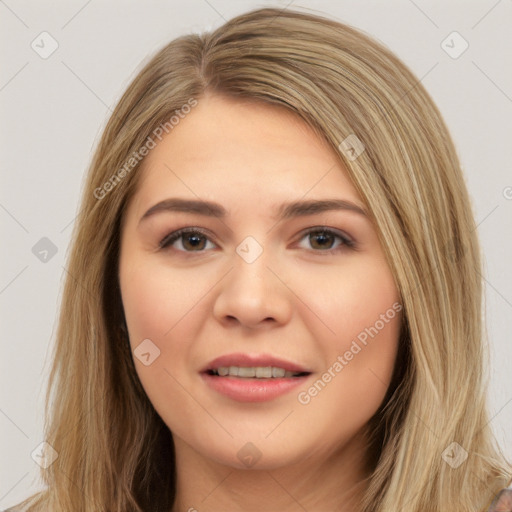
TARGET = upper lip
(253,360)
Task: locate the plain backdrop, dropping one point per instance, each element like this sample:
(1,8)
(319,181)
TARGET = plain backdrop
(53,110)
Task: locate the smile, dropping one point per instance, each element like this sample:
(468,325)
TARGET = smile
(255,372)
(253,378)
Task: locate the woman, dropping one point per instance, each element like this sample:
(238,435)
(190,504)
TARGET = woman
(272,301)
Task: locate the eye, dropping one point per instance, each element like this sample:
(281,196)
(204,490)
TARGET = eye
(323,239)
(189,238)
(195,240)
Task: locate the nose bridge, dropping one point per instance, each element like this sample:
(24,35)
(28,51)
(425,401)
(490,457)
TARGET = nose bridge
(250,275)
(251,250)
(251,291)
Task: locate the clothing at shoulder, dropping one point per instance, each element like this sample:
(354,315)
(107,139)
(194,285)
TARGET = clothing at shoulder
(503,502)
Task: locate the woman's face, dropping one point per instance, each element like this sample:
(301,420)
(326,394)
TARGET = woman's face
(257,283)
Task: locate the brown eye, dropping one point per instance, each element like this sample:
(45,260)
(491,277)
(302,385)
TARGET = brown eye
(191,240)
(322,239)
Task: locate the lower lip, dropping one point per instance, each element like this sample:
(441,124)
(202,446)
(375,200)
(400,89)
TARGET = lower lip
(252,390)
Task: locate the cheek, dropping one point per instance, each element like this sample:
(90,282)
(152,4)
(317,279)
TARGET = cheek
(358,335)
(354,383)
(159,306)
(343,303)
(157,301)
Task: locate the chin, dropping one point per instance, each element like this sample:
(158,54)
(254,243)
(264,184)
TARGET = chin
(259,454)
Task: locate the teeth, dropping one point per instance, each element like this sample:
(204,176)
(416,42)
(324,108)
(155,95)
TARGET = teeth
(260,372)
(278,372)
(246,372)
(263,372)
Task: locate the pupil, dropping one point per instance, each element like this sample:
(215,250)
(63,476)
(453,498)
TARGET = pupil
(197,239)
(322,236)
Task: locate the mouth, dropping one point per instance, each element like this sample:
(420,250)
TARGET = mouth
(253,378)
(255,372)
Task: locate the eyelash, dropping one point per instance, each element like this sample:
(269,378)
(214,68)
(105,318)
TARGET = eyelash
(346,243)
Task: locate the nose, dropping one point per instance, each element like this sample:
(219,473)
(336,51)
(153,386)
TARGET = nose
(253,295)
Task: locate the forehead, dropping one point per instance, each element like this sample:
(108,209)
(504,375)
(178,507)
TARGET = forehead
(227,149)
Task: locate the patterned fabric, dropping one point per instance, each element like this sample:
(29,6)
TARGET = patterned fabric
(503,502)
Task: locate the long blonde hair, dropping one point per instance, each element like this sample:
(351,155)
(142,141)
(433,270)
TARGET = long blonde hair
(114,451)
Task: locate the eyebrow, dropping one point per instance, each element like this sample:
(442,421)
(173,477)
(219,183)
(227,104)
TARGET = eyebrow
(285,211)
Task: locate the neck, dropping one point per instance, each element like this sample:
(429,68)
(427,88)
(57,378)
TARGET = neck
(333,483)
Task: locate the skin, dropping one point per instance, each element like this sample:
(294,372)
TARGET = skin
(299,300)
(505,502)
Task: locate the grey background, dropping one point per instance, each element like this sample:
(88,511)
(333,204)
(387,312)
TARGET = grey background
(53,111)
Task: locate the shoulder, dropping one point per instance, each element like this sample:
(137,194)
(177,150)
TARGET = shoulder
(502,502)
